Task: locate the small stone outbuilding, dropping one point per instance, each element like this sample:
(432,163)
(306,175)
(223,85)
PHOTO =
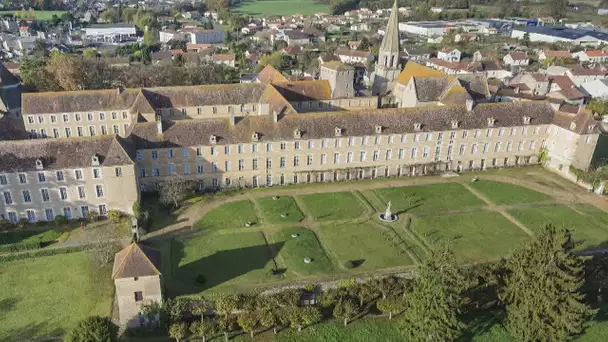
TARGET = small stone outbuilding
(136,275)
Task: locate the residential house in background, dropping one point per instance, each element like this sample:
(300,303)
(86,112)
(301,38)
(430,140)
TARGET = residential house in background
(545,54)
(450,55)
(354,56)
(228,59)
(592,56)
(516,59)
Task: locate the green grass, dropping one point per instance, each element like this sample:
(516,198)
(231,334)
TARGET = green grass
(229,215)
(46,296)
(585,230)
(271,210)
(294,250)
(280,7)
(332,206)
(362,242)
(473,236)
(504,193)
(44,237)
(40,15)
(595,213)
(429,198)
(224,260)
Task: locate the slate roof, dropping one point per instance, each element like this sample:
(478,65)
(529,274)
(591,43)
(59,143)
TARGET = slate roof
(390,42)
(136,260)
(65,153)
(322,125)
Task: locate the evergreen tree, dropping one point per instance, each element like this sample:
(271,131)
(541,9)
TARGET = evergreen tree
(542,289)
(94,328)
(434,303)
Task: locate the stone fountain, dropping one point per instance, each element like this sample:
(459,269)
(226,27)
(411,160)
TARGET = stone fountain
(387,216)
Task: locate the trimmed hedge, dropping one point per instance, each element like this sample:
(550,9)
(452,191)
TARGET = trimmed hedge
(21,246)
(40,253)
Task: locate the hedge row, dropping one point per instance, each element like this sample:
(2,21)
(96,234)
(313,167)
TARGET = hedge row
(20,246)
(40,253)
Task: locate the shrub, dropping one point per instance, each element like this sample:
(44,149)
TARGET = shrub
(310,287)
(6,224)
(115,216)
(136,209)
(40,253)
(61,220)
(23,222)
(94,328)
(16,247)
(93,216)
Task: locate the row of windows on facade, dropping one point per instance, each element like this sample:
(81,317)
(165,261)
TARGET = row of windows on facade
(49,213)
(376,156)
(45,194)
(199,110)
(358,174)
(334,143)
(80,131)
(77,117)
(60,176)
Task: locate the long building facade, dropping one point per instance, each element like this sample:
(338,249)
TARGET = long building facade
(257,137)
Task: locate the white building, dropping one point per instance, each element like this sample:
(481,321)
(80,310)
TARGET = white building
(597,88)
(112,33)
(516,58)
(553,34)
(592,56)
(450,55)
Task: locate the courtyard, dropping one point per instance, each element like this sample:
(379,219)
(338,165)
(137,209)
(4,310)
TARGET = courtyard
(312,233)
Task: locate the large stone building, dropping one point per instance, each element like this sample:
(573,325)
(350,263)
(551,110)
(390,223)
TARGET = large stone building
(40,179)
(273,133)
(341,79)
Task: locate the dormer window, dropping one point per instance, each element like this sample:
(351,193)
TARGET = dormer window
(591,128)
(255,136)
(297,134)
(378,129)
(39,165)
(95,160)
(417,126)
(212,139)
(338,131)
(573,125)
(526,120)
(454,124)
(491,121)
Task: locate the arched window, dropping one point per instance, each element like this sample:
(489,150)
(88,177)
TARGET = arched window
(392,60)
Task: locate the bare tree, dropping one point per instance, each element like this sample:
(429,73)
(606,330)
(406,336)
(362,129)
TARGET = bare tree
(174,190)
(104,243)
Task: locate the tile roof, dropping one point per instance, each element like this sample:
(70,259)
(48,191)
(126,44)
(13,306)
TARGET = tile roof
(596,53)
(66,153)
(224,57)
(518,56)
(430,88)
(352,53)
(269,74)
(353,123)
(136,260)
(304,90)
(557,54)
(338,66)
(416,70)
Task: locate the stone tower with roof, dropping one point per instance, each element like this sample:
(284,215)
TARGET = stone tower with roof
(136,275)
(341,79)
(387,67)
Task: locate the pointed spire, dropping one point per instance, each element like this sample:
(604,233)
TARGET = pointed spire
(390,42)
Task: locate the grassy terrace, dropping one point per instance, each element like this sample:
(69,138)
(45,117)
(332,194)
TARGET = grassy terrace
(259,8)
(46,296)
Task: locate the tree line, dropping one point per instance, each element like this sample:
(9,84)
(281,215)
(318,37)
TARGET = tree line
(540,290)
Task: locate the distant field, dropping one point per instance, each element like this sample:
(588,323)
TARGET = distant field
(40,15)
(280,7)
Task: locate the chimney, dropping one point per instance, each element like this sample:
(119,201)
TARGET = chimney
(275,116)
(470,103)
(232,119)
(159,124)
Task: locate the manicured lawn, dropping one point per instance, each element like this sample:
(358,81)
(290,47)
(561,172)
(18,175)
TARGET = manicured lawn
(363,243)
(597,214)
(332,206)
(44,237)
(505,193)
(46,296)
(229,215)
(40,15)
(271,210)
(585,230)
(476,236)
(294,250)
(224,260)
(429,198)
(280,7)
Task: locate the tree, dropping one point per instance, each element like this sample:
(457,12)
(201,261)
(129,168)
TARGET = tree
(204,329)
(90,52)
(542,289)
(558,8)
(435,300)
(178,331)
(388,286)
(225,304)
(346,309)
(526,39)
(174,190)
(249,321)
(310,315)
(200,307)
(150,37)
(94,328)
(269,318)
(104,244)
(366,292)
(391,305)
(364,45)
